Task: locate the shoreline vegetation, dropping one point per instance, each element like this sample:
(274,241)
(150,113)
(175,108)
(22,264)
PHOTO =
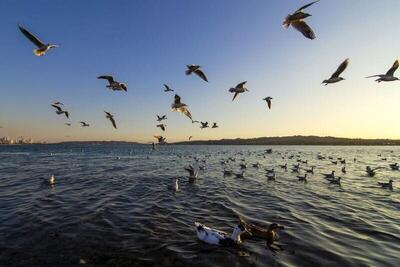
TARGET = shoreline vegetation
(270,141)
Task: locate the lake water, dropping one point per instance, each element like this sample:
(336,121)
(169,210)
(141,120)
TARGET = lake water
(112,206)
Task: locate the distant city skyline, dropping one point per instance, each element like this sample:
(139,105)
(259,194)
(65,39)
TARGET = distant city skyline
(149,43)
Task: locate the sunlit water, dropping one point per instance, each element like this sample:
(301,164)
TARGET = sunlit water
(112,206)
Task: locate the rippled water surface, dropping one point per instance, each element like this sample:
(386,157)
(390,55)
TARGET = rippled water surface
(112,206)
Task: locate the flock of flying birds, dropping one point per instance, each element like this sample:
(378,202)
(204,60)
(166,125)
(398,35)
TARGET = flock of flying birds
(296,20)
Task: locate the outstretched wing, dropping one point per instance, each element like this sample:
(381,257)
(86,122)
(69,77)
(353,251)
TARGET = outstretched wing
(177,99)
(269,103)
(304,7)
(109,78)
(302,27)
(240,85)
(236,94)
(57,107)
(393,68)
(201,74)
(31,37)
(113,122)
(341,68)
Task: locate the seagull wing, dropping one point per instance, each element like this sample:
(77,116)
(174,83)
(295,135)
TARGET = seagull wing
(236,94)
(393,68)
(341,68)
(302,27)
(185,111)
(177,99)
(109,78)
(113,122)
(57,107)
(269,103)
(305,6)
(240,85)
(31,37)
(201,74)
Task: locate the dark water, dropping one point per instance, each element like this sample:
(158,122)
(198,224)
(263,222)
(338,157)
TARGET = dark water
(111,206)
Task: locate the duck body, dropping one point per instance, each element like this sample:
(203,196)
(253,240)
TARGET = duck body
(219,238)
(269,234)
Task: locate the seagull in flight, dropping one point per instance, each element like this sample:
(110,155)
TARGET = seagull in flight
(336,76)
(161,140)
(58,103)
(163,117)
(42,48)
(60,111)
(204,125)
(214,125)
(190,138)
(111,118)
(268,99)
(167,88)
(297,21)
(238,89)
(389,76)
(67,123)
(180,107)
(114,85)
(162,126)
(196,70)
(84,124)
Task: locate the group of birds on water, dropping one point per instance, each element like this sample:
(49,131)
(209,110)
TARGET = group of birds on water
(204,233)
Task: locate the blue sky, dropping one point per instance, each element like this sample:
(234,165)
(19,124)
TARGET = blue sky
(148,43)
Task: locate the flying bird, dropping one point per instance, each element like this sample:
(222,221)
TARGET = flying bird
(162,126)
(84,124)
(297,21)
(161,140)
(163,117)
(167,88)
(180,107)
(204,125)
(238,89)
(336,76)
(42,48)
(111,118)
(196,70)
(60,111)
(58,104)
(268,99)
(114,85)
(195,121)
(389,76)
(67,123)
(214,125)
(190,138)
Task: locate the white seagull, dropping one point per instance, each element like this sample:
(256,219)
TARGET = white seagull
(180,107)
(336,76)
(297,21)
(42,47)
(112,84)
(238,89)
(389,76)
(196,70)
(268,99)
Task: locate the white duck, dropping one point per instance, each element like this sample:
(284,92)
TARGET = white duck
(215,237)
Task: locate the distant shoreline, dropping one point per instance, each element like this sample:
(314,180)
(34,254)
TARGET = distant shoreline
(297,140)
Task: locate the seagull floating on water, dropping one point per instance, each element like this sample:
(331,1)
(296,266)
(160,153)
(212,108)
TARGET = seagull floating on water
(180,107)
(196,69)
(268,99)
(193,174)
(238,89)
(389,75)
(112,84)
(42,47)
(60,111)
(297,21)
(111,118)
(335,76)
(388,185)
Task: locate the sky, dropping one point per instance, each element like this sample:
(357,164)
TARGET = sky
(147,43)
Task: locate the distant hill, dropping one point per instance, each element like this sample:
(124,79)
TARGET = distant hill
(298,140)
